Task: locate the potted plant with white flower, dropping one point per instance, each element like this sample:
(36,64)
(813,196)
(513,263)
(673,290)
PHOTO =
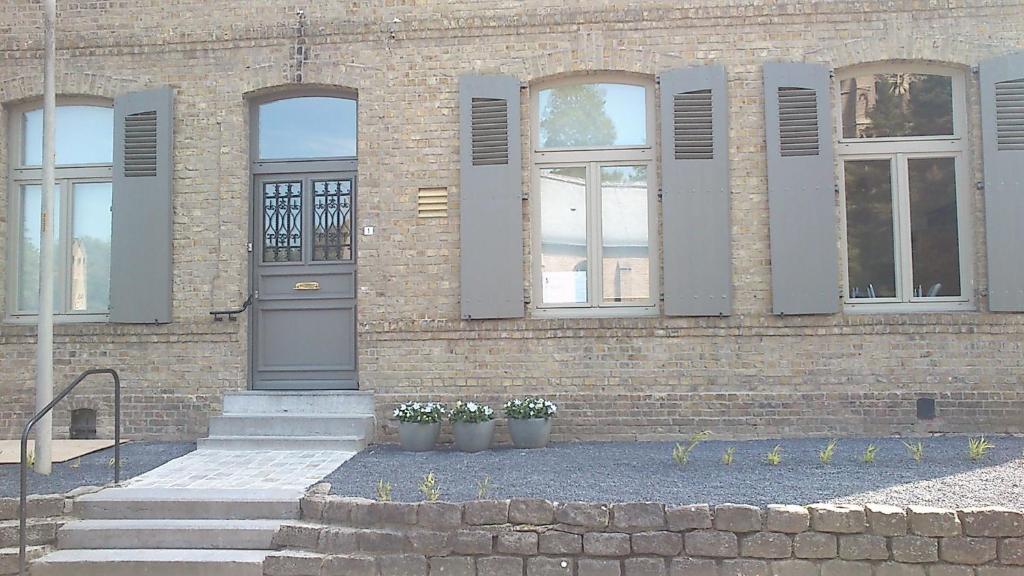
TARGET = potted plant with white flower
(529,421)
(473,425)
(419,424)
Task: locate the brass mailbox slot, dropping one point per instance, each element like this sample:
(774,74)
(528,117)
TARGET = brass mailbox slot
(307,285)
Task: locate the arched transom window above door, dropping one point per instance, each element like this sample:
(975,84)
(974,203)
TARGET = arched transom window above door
(306,128)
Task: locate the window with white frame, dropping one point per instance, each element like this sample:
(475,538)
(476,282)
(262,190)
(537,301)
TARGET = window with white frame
(594,213)
(902,153)
(82,217)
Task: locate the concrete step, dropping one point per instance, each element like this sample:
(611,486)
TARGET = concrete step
(195,504)
(300,402)
(196,534)
(151,562)
(291,425)
(337,443)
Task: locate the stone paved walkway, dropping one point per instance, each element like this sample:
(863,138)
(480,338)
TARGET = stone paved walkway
(251,470)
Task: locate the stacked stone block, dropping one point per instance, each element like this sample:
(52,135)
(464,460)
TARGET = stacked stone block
(45,514)
(532,537)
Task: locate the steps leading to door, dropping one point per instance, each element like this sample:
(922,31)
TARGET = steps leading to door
(169,532)
(293,420)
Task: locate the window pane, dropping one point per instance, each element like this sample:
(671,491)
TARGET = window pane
(282,222)
(898,104)
(85,135)
(90,249)
(869,229)
(332,220)
(563,223)
(28,257)
(308,127)
(589,115)
(625,250)
(933,227)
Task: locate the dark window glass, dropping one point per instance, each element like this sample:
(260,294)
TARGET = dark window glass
(933,227)
(869,229)
(897,105)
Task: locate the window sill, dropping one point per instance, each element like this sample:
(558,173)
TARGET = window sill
(60,319)
(607,312)
(908,307)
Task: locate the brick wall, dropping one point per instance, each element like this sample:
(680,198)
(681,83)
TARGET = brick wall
(749,374)
(537,537)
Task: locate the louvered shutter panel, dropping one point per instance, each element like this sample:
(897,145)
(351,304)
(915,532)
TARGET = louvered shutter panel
(1002,123)
(140,253)
(695,186)
(801,189)
(490,198)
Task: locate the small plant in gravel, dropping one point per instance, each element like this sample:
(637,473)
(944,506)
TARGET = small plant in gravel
(977,448)
(774,456)
(826,454)
(915,450)
(112,461)
(77,463)
(30,458)
(420,412)
(530,408)
(729,455)
(471,412)
(681,453)
(869,454)
(383,491)
(430,488)
(483,488)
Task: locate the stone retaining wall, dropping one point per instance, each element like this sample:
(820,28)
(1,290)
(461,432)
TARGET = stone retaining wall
(46,514)
(357,537)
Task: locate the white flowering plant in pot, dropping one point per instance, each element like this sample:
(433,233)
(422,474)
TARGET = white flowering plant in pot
(530,408)
(529,421)
(421,412)
(473,426)
(419,424)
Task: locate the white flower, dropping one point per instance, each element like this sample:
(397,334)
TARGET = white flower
(471,406)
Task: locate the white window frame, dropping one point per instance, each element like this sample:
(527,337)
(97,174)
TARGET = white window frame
(593,159)
(899,150)
(66,176)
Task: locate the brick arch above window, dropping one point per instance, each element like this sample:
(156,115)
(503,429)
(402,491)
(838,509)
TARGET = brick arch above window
(26,87)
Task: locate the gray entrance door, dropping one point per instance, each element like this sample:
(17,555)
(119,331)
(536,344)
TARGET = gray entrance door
(303,333)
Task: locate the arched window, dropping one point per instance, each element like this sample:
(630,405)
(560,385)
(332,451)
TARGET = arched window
(82,217)
(307,127)
(593,179)
(902,150)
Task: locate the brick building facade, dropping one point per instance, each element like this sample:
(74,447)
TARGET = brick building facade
(747,373)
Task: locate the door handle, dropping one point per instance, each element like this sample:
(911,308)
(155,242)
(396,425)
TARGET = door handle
(307,285)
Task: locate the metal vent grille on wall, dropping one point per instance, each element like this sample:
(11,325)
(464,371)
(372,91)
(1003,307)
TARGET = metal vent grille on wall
(798,121)
(432,203)
(1010,114)
(140,149)
(490,131)
(692,126)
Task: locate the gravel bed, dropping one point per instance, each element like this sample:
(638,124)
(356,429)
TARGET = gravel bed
(94,469)
(645,471)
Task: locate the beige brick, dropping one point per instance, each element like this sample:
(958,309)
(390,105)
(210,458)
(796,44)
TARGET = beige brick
(815,545)
(787,518)
(928,521)
(964,550)
(694,517)
(993,522)
(737,518)
(885,520)
(841,518)
(914,549)
(712,543)
(863,547)
(766,545)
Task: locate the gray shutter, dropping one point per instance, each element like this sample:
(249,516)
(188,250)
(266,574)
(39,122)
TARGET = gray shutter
(801,188)
(140,254)
(695,192)
(1002,123)
(490,201)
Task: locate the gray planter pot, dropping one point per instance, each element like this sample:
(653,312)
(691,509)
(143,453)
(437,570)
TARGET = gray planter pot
(473,436)
(417,437)
(529,433)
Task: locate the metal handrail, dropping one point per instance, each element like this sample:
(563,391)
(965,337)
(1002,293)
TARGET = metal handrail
(23,509)
(231,313)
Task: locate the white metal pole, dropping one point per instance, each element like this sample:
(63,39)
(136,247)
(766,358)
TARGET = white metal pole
(44,345)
